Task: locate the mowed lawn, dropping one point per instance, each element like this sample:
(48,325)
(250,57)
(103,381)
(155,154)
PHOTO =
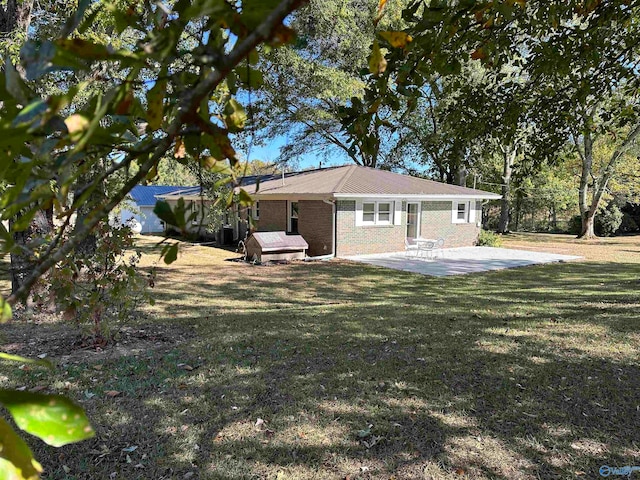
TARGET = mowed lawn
(336,370)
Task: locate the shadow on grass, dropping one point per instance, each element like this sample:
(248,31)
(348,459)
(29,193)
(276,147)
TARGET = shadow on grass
(362,372)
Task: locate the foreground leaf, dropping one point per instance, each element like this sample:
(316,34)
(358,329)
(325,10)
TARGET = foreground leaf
(17,358)
(16,460)
(377,62)
(5,311)
(53,418)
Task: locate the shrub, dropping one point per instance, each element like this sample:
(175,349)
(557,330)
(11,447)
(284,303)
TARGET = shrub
(575,225)
(608,222)
(489,239)
(628,224)
(102,287)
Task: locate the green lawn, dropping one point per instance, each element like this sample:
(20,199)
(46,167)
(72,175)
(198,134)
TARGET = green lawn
(359,372)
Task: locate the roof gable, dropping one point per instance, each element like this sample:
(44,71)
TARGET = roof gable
(145,195)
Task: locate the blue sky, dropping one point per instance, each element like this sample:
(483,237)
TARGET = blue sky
(271,151)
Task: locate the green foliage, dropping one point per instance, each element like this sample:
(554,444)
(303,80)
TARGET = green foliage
(313,93)
(608,220)
(81,128)
(575,225)
(489,239)
(628,224)
(103,288)
(54,419)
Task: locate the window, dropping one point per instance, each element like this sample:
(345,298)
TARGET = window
(384,213)
(462,212)
(293,217)
(377,213)
(369,213)
(256,211)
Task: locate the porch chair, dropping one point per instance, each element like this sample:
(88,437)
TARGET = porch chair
(410,245)
(428,248)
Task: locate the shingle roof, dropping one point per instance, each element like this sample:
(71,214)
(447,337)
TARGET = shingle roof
(145,195)
(356,180)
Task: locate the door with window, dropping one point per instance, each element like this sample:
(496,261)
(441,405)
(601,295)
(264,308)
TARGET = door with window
(413,220)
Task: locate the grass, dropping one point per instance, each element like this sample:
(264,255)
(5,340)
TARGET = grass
(341,370)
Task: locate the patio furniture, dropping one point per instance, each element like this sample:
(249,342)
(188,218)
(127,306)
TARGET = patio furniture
(426,246)
(410,245)
(439,247)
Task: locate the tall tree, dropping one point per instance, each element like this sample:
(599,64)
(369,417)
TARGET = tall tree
(313,90)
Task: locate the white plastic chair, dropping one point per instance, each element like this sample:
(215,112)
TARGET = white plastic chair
(427,247)
(410,245)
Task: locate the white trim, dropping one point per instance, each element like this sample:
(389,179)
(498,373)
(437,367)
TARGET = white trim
(354,196)
(289,217)
(359,219)
(418,216)
(361,222)
(397,214)
(469,213)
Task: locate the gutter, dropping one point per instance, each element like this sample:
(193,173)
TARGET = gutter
(425,197)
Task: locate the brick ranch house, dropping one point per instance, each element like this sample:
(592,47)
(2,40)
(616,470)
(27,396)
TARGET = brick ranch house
(354,210)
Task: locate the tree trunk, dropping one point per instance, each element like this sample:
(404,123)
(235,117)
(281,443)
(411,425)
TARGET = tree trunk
(15,16)
(22,263)
(505,204)
(588,222)
(461,176)
(586,213)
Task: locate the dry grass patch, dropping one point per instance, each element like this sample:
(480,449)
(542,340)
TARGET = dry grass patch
(361,372)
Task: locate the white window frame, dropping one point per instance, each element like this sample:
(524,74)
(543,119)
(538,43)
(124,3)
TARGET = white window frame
(469,211)
(256,210)
(369,222)
(289,211)
(376,213)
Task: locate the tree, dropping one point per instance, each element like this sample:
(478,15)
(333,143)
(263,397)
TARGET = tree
(313,93)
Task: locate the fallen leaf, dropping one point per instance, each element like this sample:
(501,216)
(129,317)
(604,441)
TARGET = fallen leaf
(112,393)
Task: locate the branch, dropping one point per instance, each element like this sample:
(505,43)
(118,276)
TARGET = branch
(189,103)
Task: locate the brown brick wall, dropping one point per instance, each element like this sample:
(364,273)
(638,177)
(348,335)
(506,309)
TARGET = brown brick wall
(315,224)
(363,240)
(435,222)
(273,216)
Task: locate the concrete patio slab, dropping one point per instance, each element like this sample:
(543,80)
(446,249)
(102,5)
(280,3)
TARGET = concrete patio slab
(463,260)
